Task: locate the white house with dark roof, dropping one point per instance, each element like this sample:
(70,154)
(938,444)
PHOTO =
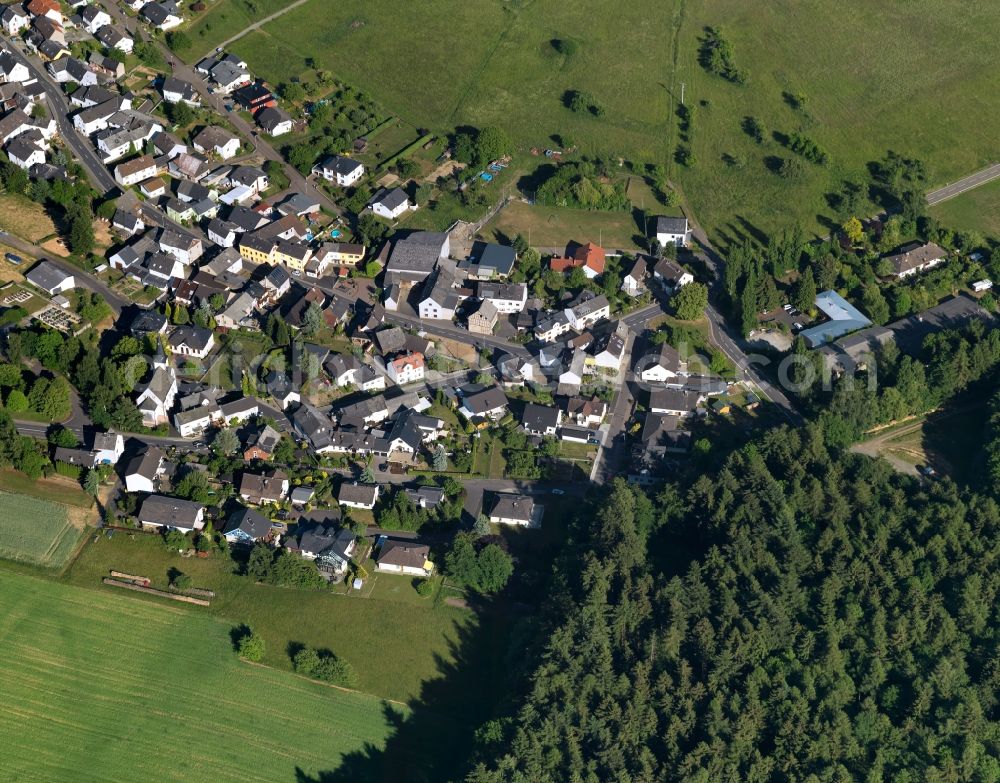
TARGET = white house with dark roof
(673,231)
(339,169)
(404,557)
(143,470)
(50,278)
(358,495)
(541,419)
(193,341)
(521,510)
(390,203)
(161,512)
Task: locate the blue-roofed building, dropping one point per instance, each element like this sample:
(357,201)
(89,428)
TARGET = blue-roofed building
(844,319)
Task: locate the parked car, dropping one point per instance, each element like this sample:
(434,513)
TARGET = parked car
(558,491)
(14,258)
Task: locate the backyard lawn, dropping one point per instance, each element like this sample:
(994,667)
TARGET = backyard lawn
(101,687)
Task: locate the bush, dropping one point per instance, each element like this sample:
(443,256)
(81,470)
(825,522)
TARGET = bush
(324,665)
(251,647)
(425,588)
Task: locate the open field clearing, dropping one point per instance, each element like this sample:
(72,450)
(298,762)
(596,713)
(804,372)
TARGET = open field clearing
(24,218)
(554,226)
(873,79)
(864,92)
(394,647)
(223,20)
(104,688)
(57,489)
(36,531)
(976,210)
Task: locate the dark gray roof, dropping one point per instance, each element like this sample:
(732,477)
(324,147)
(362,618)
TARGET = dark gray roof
(671,225)
(46,275)
(195,337)
(479,400)
(539,417)
(170,512)
(254,524)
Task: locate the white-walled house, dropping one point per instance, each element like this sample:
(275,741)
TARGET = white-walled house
(406,369)
(673,231)
(390,203)
(339,169)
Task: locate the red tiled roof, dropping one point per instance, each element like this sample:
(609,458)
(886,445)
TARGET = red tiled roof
(562,264)
(590,255)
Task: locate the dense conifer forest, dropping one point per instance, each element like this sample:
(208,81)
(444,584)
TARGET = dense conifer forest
(800,614)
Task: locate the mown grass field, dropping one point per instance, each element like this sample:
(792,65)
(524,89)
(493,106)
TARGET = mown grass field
(36,531)
(555,226)
(101,687)
(976,210)
(916,78)
(56,489)
(394,647)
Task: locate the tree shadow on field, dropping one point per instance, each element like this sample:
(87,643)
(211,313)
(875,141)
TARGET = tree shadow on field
(432,743)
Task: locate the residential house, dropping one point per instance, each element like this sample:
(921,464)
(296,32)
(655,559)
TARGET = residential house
(586,413)
(404,557)
(24,154)
(313,426)
(12,69)
(675,402)
(609,356)
(246,526)
(94,18)
(406,369)
(162,15)
(14,19)
(127,223)
(193,341)
(179,91)
(480,404)
(510,509)
(134,171)
(213,139)
(222,232)
(489,261)
(161,512)
(261,444)
(440,301)
(196,420)
(274,121)
(358,495)
(916,257)
(589,257)
(390,203)
(507,298)
(254,97)
(50,278)
(484,320)
(588,312)
(672,231)
(143,470)
(671,275)
(666,366)
(540,419)
(107,447)
(113,38)
(264,488)
(185,248)
(634,282)
(425,497)
(343,171)
(330,547)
